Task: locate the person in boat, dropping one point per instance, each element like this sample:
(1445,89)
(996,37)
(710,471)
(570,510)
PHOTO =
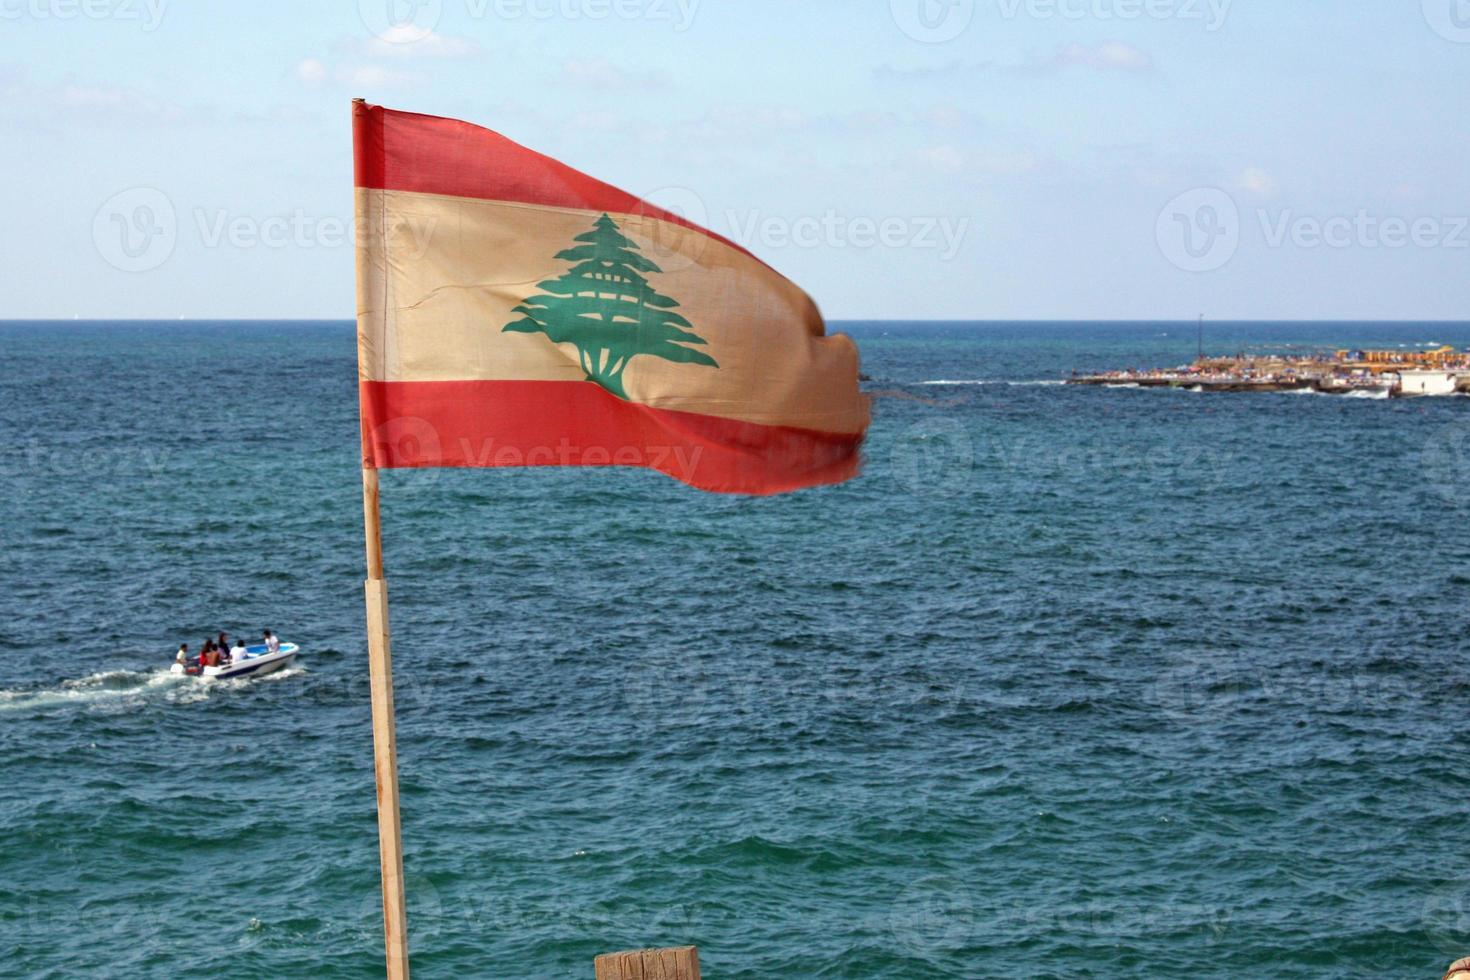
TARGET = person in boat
(210,656)
(183,659)
(272,645)
(223,646)
(237,652)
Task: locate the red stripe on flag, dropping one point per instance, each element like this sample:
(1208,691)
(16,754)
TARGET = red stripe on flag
(576,423)
(408,151)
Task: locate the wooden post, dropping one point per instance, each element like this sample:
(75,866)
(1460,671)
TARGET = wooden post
(380,655)
(385,741)
(679,963)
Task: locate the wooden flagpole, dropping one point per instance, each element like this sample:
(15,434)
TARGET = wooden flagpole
(380,655)
(385,739)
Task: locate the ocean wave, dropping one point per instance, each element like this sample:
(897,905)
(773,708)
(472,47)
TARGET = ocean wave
(1382,395)
(1039,383)
(110,687)
(102,686)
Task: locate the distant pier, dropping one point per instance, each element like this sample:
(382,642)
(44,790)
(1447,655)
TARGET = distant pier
(1368,373)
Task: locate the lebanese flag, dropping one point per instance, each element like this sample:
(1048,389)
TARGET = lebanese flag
(512,311)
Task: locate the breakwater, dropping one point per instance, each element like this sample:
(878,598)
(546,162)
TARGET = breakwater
(1386,374)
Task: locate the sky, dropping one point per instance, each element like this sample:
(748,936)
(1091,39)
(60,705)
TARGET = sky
(899,159)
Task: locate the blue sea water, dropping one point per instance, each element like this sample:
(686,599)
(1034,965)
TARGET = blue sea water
(1071,682)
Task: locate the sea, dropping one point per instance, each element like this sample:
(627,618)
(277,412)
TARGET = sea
(1070,682)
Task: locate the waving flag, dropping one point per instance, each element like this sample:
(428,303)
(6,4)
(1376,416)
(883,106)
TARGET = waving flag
(515,312)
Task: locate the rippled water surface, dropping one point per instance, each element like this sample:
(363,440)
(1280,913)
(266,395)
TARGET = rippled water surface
(1079,682)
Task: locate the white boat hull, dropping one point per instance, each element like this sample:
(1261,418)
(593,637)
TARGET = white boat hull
(253,664)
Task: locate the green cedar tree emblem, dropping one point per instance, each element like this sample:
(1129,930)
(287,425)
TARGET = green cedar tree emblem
(605,307)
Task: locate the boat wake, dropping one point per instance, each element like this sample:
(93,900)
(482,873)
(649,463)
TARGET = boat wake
(1040,383)
(126,688)
(1380,394)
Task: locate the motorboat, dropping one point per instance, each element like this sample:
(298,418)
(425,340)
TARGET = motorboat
(257,660)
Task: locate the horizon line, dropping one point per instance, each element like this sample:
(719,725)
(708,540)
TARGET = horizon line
(976,320)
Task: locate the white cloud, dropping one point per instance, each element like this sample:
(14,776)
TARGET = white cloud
(724,124)
(404,41)
(949,159)
(945,117)
(1256,181)
(311,71)
(96,103)
(603,75)
(945,159)
(946,72)
(373,76)
(366,66)
(1107,56)
(1011,163)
